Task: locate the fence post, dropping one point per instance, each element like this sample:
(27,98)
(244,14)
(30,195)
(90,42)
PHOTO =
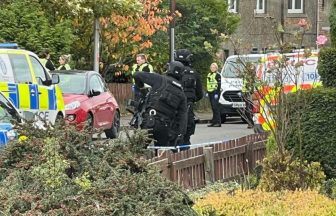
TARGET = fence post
(249,155)
(209,164)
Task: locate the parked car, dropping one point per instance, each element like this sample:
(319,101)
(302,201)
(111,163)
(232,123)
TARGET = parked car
(8,114)
(87,99)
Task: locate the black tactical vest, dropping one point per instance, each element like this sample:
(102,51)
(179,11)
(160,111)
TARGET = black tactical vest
(166,100)
(189,84)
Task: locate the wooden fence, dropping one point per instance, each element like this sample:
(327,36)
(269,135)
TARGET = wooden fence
(122,92)
(194,168)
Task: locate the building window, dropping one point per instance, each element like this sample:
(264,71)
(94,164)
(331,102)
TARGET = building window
(233,6)
(295,6)
(260,6)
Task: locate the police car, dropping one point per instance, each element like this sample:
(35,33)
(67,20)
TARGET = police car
(8,114)
(28,85)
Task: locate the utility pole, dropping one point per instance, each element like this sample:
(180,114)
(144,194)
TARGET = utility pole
(96,46)
(282,19)
(172,30)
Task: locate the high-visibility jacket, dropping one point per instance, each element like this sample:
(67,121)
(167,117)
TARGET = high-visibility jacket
(64,67)
(212,83)
(146,67)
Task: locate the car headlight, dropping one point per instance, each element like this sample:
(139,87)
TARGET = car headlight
(11,134)
(72,105)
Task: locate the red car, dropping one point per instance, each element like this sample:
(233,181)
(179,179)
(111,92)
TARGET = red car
(87,99)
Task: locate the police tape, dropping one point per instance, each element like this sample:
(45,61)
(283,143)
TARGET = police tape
(186,146)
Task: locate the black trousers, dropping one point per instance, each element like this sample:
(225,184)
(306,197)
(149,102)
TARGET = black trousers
(249,108)
(191,124)
(160,130)
(216,118)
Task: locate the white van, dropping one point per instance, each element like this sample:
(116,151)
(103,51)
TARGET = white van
(231,101)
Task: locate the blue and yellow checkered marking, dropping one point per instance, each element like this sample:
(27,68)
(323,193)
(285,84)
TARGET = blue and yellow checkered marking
(32,96)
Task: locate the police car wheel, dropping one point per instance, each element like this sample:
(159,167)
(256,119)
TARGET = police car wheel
(113,132)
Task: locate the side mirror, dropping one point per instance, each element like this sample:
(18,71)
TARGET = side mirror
(55,79)
(93,93)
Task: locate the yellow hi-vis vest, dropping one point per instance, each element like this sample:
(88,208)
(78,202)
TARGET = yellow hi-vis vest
(135,68)
(212,83)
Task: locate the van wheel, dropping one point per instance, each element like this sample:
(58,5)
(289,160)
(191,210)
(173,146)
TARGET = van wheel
(113,132)
(223,118)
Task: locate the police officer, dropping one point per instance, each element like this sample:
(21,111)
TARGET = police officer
(166,105)
(46,61)
(141,65)
(213,89)
(192,86)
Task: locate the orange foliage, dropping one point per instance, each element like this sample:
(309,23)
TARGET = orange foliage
(131,32)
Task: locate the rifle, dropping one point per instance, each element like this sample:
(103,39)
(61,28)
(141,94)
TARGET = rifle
(139,109)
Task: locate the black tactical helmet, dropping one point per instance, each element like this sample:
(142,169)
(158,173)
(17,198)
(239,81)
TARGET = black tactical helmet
(183,55)
(175,69)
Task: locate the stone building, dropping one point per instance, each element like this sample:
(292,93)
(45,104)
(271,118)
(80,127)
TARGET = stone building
(261,18)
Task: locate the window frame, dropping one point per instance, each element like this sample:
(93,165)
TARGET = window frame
(294,10)
(263,10)
(46,77)
(15,70)
(235,4)
(99,82)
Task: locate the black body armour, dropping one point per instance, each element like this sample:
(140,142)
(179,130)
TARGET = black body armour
(189,84)
(165,101)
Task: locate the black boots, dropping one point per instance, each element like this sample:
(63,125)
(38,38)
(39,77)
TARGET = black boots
(215,125)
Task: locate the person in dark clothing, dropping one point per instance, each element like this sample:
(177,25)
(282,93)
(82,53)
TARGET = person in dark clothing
(214,89)
(192,87)
(46,61)
(165,112)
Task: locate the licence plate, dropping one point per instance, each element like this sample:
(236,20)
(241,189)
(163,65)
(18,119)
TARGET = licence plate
(238,104)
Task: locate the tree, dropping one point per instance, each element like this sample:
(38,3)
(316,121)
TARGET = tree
(25,22)
(202,28)
(125,35)
(332,20)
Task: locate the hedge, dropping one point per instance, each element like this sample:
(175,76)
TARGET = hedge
(327,66)
(256,202)
(318,127)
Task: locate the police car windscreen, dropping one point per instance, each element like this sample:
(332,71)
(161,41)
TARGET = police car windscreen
(72,83)
(234,67)
(5,116)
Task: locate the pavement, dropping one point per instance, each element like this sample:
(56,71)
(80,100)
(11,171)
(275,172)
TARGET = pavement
(202,118)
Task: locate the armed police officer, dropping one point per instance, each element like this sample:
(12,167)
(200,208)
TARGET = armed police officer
(165,107)
(192,87)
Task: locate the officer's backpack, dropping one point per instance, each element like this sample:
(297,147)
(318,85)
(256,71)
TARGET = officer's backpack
(189,84)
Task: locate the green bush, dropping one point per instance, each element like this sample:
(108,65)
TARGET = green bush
(62,172)
(332,20)
(282,172)
(327,66)
(329,188)
(318,126)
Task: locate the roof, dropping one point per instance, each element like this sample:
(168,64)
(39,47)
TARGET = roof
(73,71)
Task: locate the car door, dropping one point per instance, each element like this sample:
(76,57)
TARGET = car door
(22,92)
(46,93)
(100,108)
(108,109)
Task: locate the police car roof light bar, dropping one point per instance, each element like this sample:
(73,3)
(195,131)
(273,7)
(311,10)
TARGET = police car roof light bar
(9,45)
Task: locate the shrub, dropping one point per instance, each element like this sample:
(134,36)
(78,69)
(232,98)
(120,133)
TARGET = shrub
(281,172)
(329,188)
(318,126)
(256,202)
(327,66)
(61,172)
